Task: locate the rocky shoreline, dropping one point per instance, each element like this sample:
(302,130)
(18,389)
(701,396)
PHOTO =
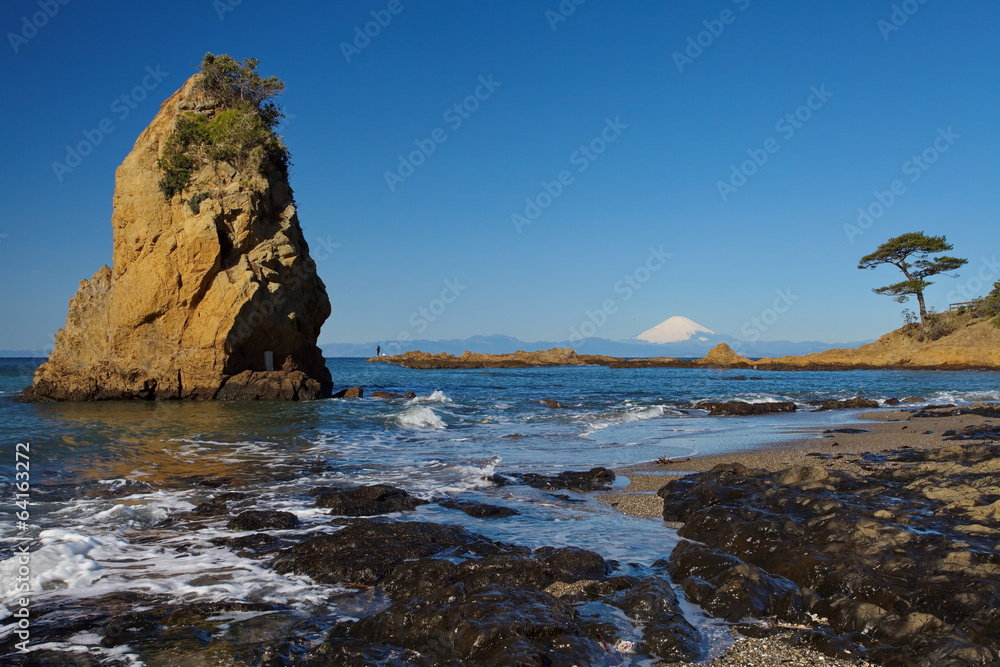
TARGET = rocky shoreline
(872,545)
(882,544)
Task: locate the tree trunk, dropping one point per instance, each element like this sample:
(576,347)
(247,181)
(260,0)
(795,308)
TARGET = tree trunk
(920,296)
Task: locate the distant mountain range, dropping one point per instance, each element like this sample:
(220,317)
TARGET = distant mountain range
(674,337)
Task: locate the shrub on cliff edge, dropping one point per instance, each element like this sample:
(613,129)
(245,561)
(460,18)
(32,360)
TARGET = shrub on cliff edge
(238,130)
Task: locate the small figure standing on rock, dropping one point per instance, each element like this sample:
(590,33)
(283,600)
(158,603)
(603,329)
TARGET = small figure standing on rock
(378,350)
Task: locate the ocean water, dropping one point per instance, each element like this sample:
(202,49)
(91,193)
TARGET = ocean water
(107,478)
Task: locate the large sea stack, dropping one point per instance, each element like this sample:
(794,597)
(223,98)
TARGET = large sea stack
(212,293)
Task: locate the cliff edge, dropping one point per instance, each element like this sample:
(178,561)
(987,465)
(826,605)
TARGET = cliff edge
(968,346)
(212,293)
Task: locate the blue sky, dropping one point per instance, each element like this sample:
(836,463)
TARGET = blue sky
(618,121)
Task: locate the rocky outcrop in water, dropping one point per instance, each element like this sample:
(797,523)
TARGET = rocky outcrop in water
(595,479)
(211,294)
(368,500)
(856,403)
(742,408)
(902,562)
(479,510)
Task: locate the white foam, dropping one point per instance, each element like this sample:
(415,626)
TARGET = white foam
(63,557)
(629,416)
(754,397)
(472,476)
(132,516)
(436,396)
(960,397)
(115,485)
(119,655)
(419,416)
(182,566)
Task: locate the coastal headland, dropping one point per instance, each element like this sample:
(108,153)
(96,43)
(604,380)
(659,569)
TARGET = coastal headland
(972,346)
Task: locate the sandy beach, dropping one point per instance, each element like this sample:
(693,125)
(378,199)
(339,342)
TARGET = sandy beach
(838,448)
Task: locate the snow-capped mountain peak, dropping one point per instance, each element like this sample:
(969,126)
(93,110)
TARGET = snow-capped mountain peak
(674,330)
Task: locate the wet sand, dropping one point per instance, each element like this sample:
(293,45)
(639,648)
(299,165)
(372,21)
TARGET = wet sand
(886,430)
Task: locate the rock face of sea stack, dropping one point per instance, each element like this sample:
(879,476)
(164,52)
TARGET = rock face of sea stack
(212,293)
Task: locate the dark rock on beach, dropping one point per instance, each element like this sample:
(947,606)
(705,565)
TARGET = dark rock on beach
(219,504)
(741,408)
(249,546)
(974,432)
(980,409)
(162,631)
(500,480)
(595,479)
(368,501)
(487,626)
(732,589)
(263,520)
(460,598)
(901,561)
(856,403)
(479,510)
(389,394)
(666,632)
(365,552)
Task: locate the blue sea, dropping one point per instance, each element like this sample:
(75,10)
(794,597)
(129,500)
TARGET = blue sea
(107,478)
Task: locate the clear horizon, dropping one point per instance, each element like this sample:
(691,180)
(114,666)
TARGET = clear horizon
(523,169)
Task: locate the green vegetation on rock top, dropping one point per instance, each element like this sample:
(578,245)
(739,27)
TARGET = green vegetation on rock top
(238,130)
